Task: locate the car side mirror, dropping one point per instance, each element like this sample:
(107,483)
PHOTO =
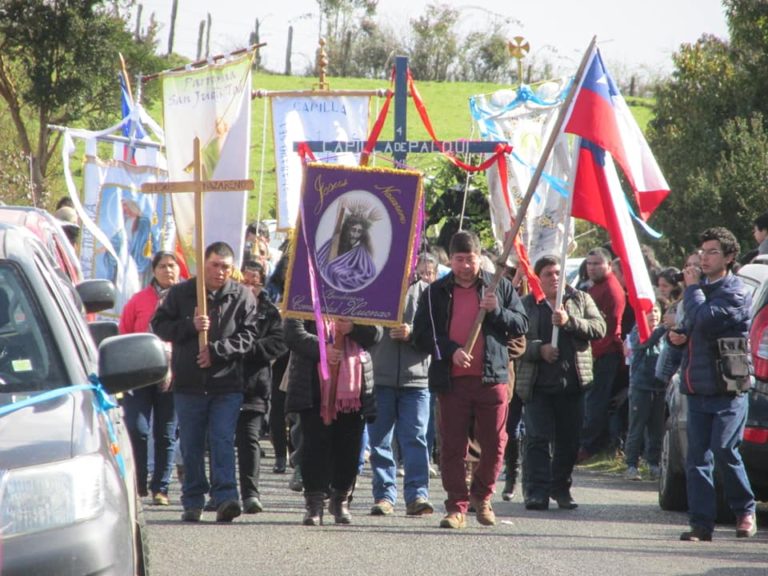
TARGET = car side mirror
(97,295)
(102,329)
(132,361)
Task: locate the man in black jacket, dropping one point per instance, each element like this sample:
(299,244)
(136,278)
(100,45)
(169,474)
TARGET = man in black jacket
(471,388)
(208,383)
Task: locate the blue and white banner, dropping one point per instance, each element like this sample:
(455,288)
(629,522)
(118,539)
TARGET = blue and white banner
(525,118)
(121,227)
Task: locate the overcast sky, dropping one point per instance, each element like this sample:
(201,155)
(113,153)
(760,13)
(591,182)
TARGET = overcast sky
(632,33)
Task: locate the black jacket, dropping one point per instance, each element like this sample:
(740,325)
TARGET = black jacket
(303,378)
(432,323)
(257,363)
(233,332)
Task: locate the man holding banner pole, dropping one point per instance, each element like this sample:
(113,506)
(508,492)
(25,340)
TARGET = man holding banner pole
(471,387)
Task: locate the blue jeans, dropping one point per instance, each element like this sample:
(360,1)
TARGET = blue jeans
(405,412)
(715,429)
(646,413)
(142,407)
(214,416)
(597,402)
(551,444)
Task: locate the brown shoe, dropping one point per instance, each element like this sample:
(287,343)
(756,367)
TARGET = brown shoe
(160,499)
(382,508)
(454,520)
(419,507)
(746,526)
(483,511)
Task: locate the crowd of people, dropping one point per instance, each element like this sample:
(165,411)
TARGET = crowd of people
(479,377)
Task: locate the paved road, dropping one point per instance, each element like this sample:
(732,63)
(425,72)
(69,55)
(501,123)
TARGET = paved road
(617,529)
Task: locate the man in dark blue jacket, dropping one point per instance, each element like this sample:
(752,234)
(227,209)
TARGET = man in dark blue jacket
(717,305)
(208,382)
(471,388)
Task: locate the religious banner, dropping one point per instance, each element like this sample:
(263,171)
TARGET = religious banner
(121,228)
(137,225)
(212,103)
(355,237)
(524,118)
(325,117)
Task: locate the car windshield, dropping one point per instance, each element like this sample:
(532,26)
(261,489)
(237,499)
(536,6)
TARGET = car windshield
(29,359)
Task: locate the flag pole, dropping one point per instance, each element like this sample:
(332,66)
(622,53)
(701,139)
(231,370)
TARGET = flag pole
(564,250)
(532,185)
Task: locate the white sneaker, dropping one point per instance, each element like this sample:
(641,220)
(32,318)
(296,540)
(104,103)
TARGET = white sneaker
(632,473)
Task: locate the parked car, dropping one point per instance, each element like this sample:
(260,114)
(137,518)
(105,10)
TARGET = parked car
(50,232)
(68,501)
(754,448)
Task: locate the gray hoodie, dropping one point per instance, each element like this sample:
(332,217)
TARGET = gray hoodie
(399,364)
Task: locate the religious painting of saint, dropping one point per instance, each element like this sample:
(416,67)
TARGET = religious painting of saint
(354,242)
(347,259)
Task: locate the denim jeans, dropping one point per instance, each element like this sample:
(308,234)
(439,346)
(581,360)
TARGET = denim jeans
(646,413)
(715,430)
(248,443)
(214,416)
(142,407)
(470,401)
(403,412)
(551,420)
(597,402)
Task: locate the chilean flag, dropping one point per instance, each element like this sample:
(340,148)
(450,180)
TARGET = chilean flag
(598,117)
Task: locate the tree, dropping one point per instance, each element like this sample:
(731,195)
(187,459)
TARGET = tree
(435,43)
(484,57)
(58,65)
(709,131)
(345,20)
(687,139)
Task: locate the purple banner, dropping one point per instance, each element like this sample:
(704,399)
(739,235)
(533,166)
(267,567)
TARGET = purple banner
(358,236)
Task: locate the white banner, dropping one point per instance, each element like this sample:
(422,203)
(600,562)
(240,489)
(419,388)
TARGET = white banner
(214,105)
(137,225)
(321,118)
(525,118)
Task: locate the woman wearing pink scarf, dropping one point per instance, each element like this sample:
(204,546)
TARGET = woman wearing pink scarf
(332,416)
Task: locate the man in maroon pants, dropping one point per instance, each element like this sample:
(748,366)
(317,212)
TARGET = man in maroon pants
(471,388)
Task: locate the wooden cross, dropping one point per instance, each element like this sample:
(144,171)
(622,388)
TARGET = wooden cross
(198,186)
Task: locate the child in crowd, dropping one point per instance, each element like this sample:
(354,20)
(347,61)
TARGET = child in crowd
(646,398)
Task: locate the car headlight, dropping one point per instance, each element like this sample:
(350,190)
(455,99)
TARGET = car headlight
(48,496)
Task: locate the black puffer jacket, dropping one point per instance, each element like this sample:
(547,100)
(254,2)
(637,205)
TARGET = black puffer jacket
(233,331)
(303,378)
(257,364)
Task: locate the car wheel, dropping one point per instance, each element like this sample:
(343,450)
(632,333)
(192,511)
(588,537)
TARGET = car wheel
(672,490)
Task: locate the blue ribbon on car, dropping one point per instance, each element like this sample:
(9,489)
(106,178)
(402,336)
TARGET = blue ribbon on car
(102,402)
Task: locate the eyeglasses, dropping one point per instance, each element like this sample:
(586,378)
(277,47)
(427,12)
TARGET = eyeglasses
(710,252)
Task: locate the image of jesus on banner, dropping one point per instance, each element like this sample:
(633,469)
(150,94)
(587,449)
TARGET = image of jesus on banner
(346,259)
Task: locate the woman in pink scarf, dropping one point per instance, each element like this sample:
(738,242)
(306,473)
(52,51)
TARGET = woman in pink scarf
(332,415)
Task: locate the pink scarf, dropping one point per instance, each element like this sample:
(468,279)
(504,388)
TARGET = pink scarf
(348,386)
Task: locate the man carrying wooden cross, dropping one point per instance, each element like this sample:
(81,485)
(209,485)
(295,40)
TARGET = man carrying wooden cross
(207,384)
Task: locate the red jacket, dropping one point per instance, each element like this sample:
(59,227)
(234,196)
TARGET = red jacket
(611,300)
(138,311)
